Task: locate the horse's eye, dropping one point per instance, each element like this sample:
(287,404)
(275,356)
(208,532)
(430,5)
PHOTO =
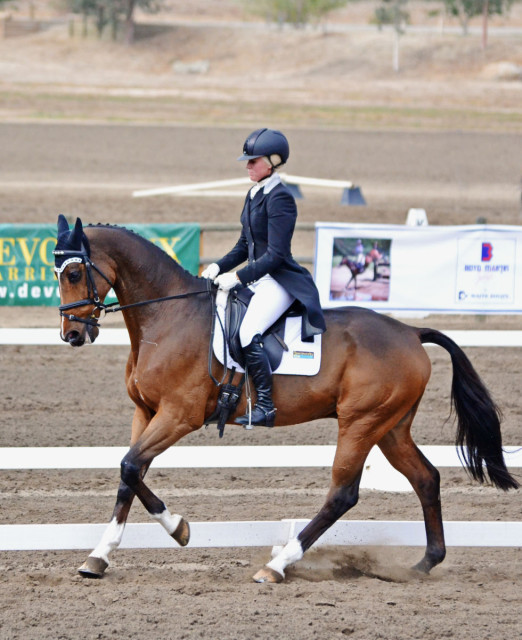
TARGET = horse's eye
(74,276)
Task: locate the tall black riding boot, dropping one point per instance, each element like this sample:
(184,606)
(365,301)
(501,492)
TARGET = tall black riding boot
(258,365)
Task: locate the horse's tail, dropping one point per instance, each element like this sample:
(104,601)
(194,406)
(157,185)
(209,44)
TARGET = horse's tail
(478,417)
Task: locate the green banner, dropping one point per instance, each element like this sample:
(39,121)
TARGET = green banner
(27,262)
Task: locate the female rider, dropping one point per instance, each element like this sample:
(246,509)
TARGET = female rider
(277,281)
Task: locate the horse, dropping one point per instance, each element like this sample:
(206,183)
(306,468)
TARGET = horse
(372,378)
(356,268)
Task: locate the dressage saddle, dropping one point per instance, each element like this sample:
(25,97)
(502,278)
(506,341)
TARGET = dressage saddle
(273,338)
(273,343)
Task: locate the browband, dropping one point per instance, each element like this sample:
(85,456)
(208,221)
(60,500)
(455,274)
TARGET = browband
(67,262)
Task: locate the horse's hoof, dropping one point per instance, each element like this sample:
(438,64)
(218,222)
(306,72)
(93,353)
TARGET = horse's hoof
(422,567)
(93,567)
(182,533)
(268,575)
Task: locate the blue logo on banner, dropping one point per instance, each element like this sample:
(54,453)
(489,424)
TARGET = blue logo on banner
(487,251)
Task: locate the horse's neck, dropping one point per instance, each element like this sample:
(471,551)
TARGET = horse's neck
(143,274)
(136,282)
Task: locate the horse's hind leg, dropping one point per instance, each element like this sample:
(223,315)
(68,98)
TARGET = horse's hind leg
(400,450)
(342,496)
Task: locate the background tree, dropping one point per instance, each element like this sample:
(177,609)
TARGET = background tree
(393,12)
(113,13)
(464,10)
(296,12)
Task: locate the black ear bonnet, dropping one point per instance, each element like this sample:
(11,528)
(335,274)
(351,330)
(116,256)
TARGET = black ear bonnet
(72,244)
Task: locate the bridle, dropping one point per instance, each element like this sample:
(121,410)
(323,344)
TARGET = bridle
(93,298)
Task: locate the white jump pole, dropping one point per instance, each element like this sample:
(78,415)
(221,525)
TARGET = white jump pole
(190,187)
(215,184)
(316,182)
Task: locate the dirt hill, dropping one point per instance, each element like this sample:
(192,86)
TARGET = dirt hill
(201,58)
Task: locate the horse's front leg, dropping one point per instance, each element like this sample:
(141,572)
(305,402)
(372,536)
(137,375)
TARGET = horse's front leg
(98,560)
(165,429)
(174,524)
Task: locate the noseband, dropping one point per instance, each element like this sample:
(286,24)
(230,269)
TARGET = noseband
(93,299)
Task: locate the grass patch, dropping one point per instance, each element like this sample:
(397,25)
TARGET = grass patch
(37,106)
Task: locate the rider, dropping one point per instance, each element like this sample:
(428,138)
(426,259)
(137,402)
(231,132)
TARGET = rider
(360,258)
(268,221)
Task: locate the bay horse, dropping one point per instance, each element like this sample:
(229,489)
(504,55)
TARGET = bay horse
(373,375)
(356,268)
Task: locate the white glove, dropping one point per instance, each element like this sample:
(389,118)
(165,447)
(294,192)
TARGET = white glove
(227,281)
(211,271)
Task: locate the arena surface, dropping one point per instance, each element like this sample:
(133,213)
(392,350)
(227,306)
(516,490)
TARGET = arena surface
(57,396)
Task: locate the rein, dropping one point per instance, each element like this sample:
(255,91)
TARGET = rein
(113,307)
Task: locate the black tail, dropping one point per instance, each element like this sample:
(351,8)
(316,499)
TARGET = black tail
(478,417)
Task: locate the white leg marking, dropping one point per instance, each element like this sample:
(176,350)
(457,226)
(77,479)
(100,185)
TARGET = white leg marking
(110,540)
(168,522)
(291,553)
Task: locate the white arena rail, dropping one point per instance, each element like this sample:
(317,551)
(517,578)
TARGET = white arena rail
(120,337)
(46,537)
(378,474)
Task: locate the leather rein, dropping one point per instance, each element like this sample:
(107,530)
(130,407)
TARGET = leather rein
(113,307)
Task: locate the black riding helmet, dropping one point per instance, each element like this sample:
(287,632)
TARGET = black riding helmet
(266,142)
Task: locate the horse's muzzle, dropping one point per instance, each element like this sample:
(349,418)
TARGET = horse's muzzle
(79,338)
(75,338)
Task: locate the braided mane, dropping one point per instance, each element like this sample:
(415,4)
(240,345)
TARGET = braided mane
(159,253)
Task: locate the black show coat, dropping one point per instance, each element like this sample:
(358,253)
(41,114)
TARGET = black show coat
(272,222)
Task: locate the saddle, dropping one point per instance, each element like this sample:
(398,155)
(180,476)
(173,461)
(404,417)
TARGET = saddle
(273,338)
(273,343)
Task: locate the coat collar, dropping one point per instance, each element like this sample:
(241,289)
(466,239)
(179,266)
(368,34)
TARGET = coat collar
(266,185)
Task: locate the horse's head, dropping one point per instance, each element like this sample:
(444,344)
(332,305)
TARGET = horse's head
(83,286)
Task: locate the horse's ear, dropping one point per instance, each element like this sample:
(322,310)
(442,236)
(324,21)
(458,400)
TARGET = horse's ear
(63,225)
(77,235)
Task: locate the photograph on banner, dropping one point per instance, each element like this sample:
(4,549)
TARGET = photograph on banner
(360,269)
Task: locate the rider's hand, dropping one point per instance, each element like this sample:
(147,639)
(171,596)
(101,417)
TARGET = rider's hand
(227,281)
(211,271)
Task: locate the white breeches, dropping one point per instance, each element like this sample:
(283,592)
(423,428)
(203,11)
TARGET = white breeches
(269,302)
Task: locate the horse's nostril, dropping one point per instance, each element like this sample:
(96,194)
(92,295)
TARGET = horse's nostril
(75,339)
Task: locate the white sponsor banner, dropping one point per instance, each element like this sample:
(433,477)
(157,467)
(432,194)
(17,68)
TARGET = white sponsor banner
(430,269)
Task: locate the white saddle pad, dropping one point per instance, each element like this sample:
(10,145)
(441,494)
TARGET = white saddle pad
(302,358)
